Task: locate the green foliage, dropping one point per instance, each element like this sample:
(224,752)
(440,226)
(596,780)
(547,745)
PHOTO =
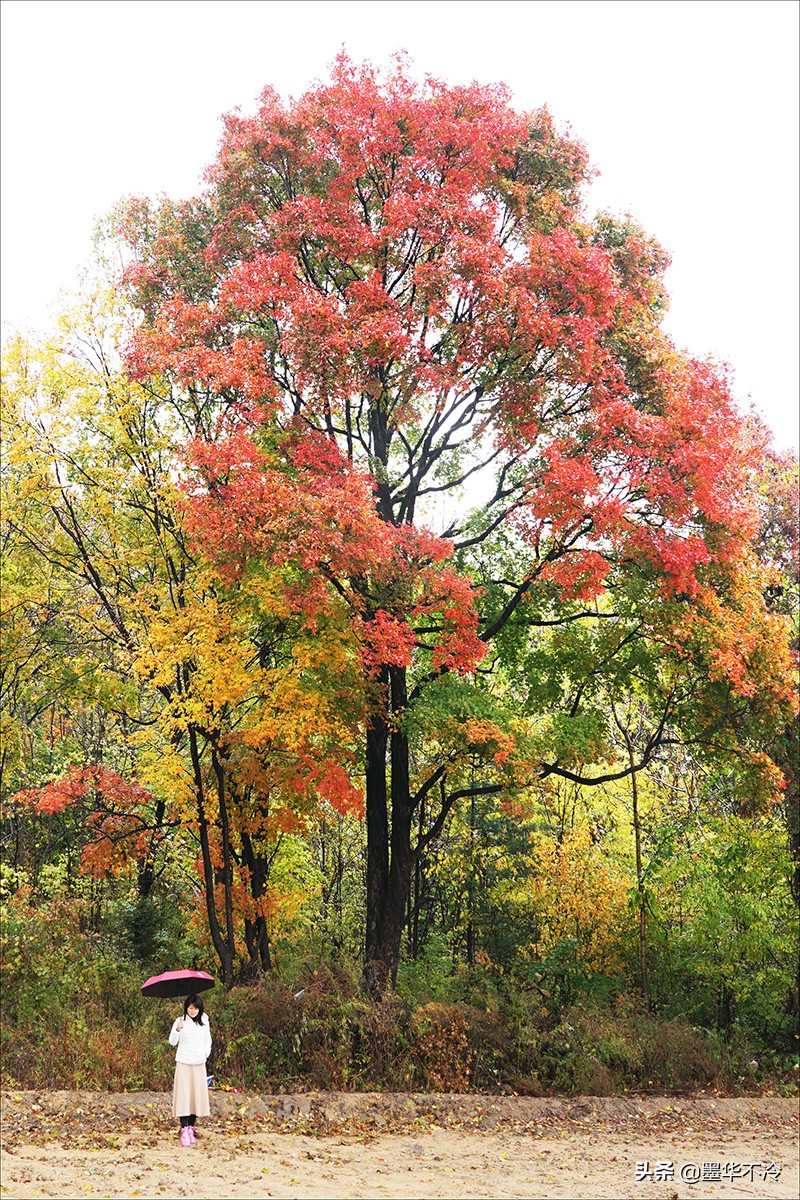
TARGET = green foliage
(726,932)
(533,1012)
(430,976)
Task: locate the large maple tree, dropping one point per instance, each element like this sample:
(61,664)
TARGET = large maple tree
(437,398)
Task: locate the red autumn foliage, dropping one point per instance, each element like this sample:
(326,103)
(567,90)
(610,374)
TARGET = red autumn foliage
(312,509)
(118,822)
(389,289)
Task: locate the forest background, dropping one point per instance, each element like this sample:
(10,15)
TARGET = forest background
(454,783)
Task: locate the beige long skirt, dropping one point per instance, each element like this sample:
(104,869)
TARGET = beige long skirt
(190,1091)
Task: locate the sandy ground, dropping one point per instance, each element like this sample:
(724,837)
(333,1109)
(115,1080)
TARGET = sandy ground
(63,1144)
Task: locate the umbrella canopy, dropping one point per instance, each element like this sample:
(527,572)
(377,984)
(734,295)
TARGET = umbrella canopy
(177,983)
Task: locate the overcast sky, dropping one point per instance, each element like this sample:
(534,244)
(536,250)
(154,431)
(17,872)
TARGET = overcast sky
(689,109)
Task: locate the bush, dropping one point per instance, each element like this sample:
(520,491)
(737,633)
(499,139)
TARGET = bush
(347,1041)
(256,1035)
(600,1052)
(440,1048)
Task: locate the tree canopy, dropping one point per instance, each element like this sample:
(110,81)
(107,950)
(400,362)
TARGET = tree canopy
(399,497)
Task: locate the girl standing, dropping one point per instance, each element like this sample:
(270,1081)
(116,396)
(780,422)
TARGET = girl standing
(191,1033)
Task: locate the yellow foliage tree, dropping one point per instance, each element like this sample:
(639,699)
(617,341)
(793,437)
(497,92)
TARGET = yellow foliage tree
(237,709)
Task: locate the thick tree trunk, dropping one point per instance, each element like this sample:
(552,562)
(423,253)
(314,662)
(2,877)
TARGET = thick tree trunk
(256,932)
(224,949)
(257,941)
(390,858)
(225,835)
(377,844)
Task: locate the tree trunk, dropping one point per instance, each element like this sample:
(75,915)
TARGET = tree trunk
(390,858)
(256,931)
(146,865)
(786,754)
(471,886)
(417,884)
(637,832)
(637,837)
(224,949)
(225,834)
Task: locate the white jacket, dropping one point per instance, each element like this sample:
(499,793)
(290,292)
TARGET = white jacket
(193,1041)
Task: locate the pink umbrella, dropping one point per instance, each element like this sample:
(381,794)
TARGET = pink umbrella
(177,983)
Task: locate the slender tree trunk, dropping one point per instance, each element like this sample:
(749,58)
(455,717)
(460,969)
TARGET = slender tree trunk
(417,883)
(637,837)
(637,833)
(471,885)
(786,754)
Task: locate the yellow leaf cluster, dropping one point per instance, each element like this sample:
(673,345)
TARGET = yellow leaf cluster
(579,893)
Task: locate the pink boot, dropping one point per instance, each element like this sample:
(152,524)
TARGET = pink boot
(186,1137)
(192,1135)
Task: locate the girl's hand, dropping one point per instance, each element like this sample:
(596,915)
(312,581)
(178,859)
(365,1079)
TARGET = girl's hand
(180,1024)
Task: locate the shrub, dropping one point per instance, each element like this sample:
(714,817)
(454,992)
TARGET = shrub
(440,1048)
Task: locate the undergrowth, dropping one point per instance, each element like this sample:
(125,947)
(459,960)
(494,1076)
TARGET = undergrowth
(73,1017)
(333,1038)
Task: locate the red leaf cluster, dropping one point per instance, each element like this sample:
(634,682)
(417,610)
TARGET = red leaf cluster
(116,822)
(380,256)
(310,511)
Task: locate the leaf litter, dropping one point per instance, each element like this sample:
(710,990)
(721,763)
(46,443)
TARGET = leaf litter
(397,1144)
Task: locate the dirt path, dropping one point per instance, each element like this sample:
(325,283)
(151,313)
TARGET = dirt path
(68,1144)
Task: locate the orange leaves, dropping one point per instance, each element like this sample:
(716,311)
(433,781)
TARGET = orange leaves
(307,509)
(117,826)
(334,785)
(746,645)
(117,841)
(489,740)
(80,782)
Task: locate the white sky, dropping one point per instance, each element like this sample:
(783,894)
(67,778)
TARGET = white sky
(689,109)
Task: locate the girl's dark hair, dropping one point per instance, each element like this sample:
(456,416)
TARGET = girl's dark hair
(198,1003)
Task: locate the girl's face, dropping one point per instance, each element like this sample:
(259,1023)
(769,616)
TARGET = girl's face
(192,1011)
